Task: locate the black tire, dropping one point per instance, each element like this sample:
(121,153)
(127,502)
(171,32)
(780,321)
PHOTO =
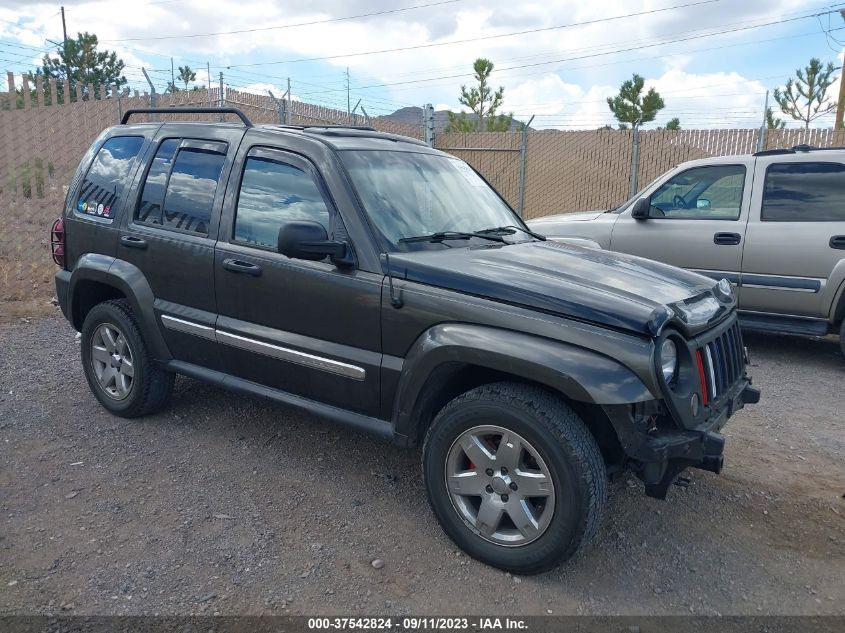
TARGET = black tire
(568,449)
(151,385)
(842,337)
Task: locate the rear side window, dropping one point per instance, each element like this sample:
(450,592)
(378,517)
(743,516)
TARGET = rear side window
(102,190)
(804,192)
(180,186)
(273,193)
(150,207)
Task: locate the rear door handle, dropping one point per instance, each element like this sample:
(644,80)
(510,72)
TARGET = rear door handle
(727,239)
(240,267)
(133,242)
(838,242)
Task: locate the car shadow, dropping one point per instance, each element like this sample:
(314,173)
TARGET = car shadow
(821,351)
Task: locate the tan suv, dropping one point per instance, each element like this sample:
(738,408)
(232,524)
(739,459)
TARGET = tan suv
(772,223)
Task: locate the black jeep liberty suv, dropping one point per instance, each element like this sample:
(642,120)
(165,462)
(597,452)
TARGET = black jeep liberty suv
(370,279)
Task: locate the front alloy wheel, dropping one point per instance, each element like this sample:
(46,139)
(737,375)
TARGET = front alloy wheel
(500,485)
(514,476)
(112,361)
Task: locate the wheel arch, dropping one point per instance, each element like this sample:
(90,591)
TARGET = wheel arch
(451,359)
(98,278)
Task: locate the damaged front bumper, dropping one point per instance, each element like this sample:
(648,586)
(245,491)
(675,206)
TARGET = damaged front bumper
(658,455)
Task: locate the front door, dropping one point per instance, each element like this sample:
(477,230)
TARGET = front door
(304,327)
(697,221)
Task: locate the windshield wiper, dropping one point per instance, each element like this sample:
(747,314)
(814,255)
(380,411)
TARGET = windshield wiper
(451,235)
(510,229)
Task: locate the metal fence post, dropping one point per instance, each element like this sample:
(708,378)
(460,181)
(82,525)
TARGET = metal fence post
(222,97)
(280,106)
(761,139)
(153,96)
(523,153)
(635,161)
(428,124)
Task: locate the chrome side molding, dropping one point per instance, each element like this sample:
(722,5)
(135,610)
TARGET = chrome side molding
(267,349)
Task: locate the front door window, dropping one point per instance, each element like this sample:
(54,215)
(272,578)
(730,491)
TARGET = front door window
(701,193)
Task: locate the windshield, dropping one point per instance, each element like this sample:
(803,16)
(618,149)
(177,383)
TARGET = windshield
(408,195)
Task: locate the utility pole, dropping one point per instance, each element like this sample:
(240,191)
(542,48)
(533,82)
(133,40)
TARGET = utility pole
(64,48)
(761,139)
(287,109)
(348,100)
(172,77)
(64,27)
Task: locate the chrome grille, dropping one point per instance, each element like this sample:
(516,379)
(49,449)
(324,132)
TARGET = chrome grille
(724,361)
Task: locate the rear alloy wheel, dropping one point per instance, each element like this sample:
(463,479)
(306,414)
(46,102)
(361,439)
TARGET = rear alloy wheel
(118,366)
(514,476)
(111,361)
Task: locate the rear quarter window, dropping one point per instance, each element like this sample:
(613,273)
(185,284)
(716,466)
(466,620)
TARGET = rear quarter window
(101,192)
(804,192)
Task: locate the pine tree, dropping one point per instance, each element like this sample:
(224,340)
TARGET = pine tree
(804,98)
(772,122)
(79,62)
(483,101)
(633,109)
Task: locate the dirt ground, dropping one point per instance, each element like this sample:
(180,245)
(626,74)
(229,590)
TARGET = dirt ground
(233,505)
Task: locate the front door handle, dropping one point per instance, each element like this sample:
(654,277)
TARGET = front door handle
(838,242)
(727,239)
(133,242)
(241,267)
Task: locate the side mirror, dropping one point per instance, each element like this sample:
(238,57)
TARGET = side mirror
(640,210)
(702,203)
(306,239)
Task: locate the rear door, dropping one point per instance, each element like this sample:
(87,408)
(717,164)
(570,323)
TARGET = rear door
(170,232)
(796,236)
(305,327)
(697,221)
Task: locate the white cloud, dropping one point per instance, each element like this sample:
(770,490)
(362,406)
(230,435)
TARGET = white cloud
(577,99)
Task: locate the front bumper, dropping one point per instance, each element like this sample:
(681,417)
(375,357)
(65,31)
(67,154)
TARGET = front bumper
(658,455)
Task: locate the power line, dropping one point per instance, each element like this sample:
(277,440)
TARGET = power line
(480,38)
(614,52)
(290,26)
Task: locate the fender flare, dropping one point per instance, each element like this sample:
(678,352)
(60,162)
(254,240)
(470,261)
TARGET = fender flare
(577,373)
(129,280)
(835,292)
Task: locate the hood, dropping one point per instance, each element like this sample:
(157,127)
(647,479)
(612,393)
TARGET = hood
(584,216)
(612,289)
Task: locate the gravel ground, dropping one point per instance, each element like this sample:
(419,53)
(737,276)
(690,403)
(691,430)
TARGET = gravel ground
(233,505)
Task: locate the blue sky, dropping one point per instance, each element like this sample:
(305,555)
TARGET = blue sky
(712,60)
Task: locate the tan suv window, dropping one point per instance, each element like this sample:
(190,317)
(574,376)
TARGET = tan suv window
(701,193)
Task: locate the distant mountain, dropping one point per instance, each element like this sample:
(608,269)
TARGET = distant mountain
(414,116)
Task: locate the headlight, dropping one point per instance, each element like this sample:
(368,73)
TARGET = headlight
(668,360)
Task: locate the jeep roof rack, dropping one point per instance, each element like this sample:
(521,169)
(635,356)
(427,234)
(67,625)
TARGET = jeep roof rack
(236,111)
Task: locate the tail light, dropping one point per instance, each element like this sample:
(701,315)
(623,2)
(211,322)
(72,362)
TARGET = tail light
(57,242)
